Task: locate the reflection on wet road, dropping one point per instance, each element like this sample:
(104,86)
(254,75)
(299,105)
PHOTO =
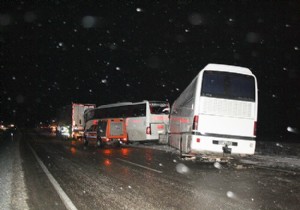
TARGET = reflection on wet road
(140,178)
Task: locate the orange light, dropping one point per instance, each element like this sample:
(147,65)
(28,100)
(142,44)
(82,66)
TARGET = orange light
(107,162)
(107,152)
(125,151)
(73,150)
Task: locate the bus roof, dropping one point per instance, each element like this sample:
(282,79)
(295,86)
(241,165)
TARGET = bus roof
(228,68)
(128,103)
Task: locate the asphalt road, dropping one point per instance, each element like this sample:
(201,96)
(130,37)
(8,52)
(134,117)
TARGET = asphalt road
(79,177)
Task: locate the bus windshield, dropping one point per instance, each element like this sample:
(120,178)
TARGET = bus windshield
(159,108)
(228,85)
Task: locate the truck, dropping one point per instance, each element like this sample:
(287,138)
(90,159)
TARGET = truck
(70,122)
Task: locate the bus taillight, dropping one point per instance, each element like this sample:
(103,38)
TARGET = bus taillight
(254,128)
(195,122)
(148,130)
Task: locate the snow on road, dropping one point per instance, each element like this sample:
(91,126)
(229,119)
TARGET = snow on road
(267,154)
(285,156)
(12,193)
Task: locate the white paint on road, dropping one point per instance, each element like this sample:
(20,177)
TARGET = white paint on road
(63,196)
(138,165)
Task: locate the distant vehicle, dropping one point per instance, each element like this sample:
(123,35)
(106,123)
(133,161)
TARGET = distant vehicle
(216,113)
(145,120)
(70,121)
(90,134)
(106,132)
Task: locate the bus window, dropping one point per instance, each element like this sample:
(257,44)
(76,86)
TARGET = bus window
(159,108)
(228,85)
(139,110)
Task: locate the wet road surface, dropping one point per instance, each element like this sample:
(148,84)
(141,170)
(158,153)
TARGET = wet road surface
(141,178)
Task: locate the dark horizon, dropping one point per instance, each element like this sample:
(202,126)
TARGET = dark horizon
(58,52)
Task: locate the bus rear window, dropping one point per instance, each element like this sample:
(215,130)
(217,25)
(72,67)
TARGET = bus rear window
(159,108)
(228,85)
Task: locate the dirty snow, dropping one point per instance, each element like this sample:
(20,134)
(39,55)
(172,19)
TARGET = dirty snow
(279,155)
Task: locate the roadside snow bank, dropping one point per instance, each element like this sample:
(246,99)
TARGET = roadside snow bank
(13,193)
(286,163)
(280,155)
(285,156)
(277,148)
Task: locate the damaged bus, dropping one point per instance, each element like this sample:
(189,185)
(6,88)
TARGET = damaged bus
(216,113)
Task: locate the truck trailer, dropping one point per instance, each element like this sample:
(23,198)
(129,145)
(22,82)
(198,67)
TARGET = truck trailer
(70,122)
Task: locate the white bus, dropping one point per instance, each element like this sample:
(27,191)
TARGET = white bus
(216,113)
(145,120)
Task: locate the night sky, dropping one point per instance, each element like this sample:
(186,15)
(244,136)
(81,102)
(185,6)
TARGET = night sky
(56,52)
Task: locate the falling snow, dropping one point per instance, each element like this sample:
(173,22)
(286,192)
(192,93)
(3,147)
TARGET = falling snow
(182,168)
(139,9)
(43,53)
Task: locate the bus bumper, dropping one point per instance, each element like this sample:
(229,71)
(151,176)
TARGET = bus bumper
(209,144)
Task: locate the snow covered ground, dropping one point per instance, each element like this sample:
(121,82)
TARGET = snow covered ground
(279,156)
(12,192)
(275,155)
